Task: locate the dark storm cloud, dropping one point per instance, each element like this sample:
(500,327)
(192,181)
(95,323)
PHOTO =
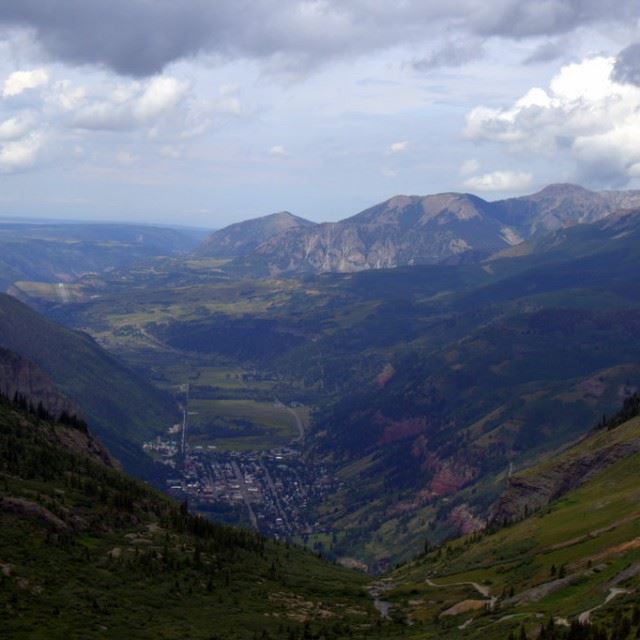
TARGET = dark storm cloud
(140,37)
(627,67)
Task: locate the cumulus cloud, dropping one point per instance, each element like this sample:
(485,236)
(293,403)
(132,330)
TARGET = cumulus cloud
(160,95)
(20,81)
(139,38)
(131,105)
(503,181)
(586,112)
(66,95)
(398,147)
(17,126)
(20,154)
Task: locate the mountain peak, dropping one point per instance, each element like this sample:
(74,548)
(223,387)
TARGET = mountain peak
(563,189)
(241,238)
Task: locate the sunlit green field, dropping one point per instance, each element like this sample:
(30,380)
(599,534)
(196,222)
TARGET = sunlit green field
(243,424)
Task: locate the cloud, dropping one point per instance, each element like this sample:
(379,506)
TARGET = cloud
(66,95)
(585,112)
(140,38)
(503,181)
(20,81)
(627,67)
(469,166)
(451,54)
(130,105)
(547,52)
(161,94)
(17,126)
(278,151)
(20,154)
(398,147)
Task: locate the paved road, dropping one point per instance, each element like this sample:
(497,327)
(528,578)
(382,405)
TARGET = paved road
(245,494)
(276,499)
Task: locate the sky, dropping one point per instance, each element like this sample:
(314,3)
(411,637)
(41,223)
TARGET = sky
(204,113)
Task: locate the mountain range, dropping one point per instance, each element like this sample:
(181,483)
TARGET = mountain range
(408,230)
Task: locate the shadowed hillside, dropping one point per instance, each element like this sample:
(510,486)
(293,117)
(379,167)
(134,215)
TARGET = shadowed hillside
(121,407)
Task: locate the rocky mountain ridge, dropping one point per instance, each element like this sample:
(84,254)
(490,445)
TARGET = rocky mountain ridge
(408,230)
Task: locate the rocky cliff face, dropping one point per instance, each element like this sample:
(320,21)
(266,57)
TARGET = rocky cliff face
(533,490)
(406,230)
(19,376)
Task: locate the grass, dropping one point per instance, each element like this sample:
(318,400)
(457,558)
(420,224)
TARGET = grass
(592,533)
(132,564)
(243,424)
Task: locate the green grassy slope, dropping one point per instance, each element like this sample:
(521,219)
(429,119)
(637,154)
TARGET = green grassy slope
(86,552)
(122,408)
(558,563)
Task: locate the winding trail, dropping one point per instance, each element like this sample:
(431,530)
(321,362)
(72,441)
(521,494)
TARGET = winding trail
(585,616)
(482,589)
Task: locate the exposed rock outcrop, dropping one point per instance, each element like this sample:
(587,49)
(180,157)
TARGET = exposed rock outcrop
(532,491)
(19,376)
(34,511)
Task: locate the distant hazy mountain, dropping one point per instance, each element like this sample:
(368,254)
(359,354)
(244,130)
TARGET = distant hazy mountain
(242,238)
(62,252)
(405,230)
